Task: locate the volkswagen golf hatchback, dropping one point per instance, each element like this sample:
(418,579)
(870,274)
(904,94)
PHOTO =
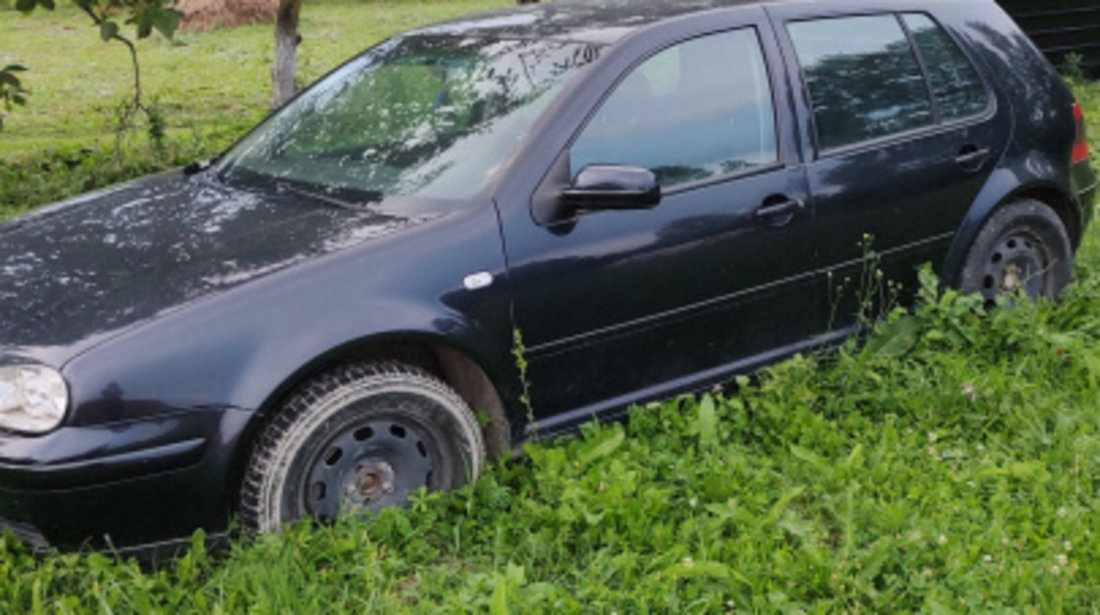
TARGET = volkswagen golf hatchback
(647,197)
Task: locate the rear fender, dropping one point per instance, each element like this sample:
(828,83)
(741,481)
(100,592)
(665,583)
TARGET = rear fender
(1032,177)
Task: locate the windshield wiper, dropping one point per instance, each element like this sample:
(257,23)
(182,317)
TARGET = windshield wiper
(198,166)
(281,187)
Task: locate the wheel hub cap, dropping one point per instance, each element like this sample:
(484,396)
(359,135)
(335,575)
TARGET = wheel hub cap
(371,478)
(1012,278)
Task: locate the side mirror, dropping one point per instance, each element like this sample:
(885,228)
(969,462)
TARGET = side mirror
(601,187)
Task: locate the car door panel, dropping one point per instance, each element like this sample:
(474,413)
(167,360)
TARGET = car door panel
(922,195)
(657,296)
(614,307)
(894,201)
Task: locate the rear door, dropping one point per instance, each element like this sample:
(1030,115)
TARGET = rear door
(902,132)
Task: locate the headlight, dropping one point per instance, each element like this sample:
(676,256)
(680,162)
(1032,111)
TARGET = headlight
(33,398)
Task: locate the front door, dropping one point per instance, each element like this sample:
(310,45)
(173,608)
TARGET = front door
(619,306)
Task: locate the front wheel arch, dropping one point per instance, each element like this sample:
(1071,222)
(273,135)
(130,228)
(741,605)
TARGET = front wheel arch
(364,435)
(455,367)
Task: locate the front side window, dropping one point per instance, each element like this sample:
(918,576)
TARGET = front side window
(698,110)
(863,78)
(956,85)
(424,116)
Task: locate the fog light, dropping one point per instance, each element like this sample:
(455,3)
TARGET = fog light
(33,398)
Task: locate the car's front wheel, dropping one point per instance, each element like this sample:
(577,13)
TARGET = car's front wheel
(358,439)
(1022,248)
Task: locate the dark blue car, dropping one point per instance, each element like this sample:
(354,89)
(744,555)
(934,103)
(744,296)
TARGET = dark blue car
(637,198)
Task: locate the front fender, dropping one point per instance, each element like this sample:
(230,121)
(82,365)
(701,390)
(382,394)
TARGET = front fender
(237,350)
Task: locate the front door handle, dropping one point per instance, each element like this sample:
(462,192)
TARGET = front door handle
(772,211)
(972,157)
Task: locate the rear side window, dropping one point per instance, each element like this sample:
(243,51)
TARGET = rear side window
(695,111)
(958,89)
(864,80)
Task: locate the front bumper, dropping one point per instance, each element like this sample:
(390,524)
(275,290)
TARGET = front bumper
(120,486)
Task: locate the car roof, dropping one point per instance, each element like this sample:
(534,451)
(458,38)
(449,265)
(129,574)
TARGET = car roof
(586,21)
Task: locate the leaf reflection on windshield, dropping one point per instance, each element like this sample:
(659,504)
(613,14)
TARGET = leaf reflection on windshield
(430,116)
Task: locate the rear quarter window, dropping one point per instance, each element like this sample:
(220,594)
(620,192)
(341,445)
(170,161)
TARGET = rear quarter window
(958,89)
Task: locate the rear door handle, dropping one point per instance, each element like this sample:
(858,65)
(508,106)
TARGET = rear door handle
(971,157)
(784,208)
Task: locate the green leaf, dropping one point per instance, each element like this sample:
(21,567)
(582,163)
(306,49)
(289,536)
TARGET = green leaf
(165,21)
(797,527)
(854,458)
(108,30)
(782,503)
(695,570)
(610,440)
(47,4)
(722,511)
(812,458)
(145,24)
(25,6)
(498,604)
(894,339)
(707,423)
(1031,471)
(13,68)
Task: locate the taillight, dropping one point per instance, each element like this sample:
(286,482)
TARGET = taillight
(1081,143)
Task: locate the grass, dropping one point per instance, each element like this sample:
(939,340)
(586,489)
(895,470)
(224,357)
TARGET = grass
(1089,97)
(214,82)
(950,465)
(209,87)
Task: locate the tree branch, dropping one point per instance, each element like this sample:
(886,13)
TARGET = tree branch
(98,20)
(137,104)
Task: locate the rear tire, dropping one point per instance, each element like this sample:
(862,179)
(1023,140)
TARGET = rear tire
(358,439)
(1023,247)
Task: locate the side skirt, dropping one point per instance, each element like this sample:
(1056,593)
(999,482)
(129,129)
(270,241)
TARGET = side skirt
(617,407)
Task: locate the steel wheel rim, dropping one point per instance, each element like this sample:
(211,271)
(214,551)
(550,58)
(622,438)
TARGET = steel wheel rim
(1019,262)
(368,466)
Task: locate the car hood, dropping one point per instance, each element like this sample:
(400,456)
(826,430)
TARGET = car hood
(86,268)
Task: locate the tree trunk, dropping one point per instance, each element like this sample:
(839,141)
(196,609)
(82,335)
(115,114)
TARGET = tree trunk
(285,69)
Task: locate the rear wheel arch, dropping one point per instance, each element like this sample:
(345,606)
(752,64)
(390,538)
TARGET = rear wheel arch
(1057,200)
(1022,247)
(1048,194)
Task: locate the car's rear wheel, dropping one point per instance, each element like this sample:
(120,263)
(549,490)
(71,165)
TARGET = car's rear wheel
(1022,248)
(357,439)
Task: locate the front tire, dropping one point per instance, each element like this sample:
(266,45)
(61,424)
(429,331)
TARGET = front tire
(357,439)
(1023,247)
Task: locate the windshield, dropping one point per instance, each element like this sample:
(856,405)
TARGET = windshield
(426,116)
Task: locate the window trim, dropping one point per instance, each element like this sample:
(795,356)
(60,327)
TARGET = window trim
(770,73)
(937,116)
(990,95)
(937,127)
